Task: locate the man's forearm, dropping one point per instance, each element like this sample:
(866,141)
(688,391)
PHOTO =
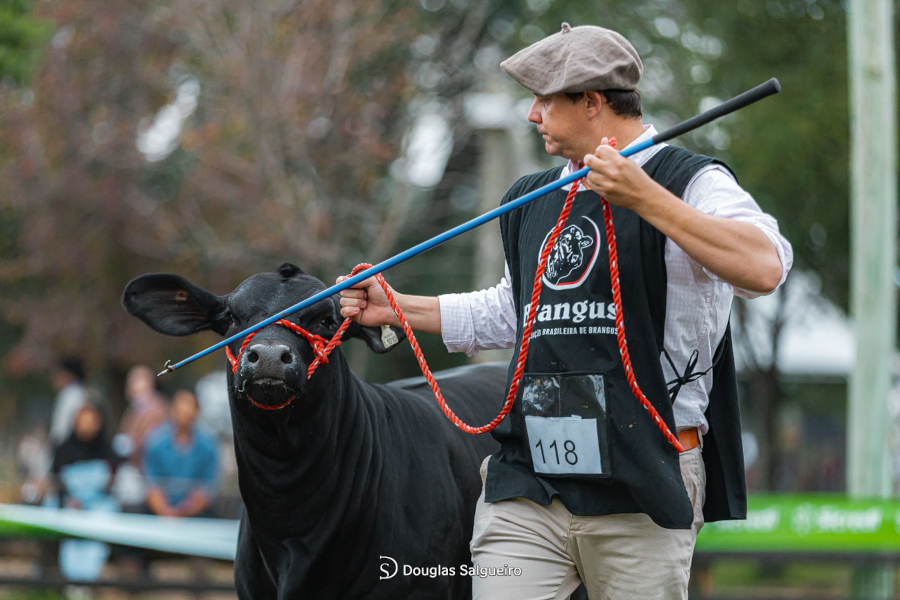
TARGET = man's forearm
(194,504)
(737,252)
(422,312)
(157,503)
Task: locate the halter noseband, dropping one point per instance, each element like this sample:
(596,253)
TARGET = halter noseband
(322,347)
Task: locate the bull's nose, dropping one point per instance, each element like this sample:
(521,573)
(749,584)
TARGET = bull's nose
(269,359)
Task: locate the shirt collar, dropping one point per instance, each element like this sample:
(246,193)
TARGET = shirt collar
(639,157)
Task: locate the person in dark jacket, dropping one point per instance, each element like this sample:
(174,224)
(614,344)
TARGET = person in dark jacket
(83,470)
(84,465)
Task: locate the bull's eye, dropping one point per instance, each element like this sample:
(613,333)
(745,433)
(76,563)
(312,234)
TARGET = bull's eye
(324,323)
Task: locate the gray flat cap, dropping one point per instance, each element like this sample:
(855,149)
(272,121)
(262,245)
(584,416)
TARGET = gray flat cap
(577,59)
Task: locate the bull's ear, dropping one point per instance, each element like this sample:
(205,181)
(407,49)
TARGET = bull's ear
(375,338)
(173,305)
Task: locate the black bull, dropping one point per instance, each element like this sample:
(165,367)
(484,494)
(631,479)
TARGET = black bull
(347,473)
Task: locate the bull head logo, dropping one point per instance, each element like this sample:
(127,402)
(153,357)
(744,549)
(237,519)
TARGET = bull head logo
(568,253)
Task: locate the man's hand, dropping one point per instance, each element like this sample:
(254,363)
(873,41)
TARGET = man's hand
(618,179)
(156,502)
(737,252)
(193,505)
(367,304)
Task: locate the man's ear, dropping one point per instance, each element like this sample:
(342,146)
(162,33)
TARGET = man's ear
(378,340)
(593,103)
(173,305)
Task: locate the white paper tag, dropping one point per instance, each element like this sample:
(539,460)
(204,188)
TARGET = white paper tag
(388,337)
(564,445)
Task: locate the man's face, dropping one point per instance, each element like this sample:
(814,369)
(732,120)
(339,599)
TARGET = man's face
(562,123)
(140,380)
(87,424)
(184,409)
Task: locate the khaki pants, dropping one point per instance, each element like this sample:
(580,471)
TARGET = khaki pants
(538,552)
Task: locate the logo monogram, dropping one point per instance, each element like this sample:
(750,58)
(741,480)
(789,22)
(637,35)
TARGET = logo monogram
(573,256)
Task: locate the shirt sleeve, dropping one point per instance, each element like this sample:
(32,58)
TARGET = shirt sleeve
(715,192)
(483,320)
(70,400)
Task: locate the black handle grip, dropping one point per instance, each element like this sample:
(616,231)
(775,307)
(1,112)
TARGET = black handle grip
(747,98)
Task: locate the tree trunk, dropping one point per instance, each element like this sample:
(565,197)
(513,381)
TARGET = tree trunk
(765,390)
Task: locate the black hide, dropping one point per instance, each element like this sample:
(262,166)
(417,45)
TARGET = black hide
(348,472)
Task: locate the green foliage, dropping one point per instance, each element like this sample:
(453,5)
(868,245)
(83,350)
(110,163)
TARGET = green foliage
(32,595)
(21,39)
(792,151)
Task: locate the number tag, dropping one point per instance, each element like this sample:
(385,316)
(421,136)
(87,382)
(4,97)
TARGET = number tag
(388,337)
(564,445)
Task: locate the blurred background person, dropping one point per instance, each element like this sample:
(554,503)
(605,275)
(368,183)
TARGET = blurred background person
(83,470)
(68,380)
(84,465)
(181,463)
(146,411)
(34,455)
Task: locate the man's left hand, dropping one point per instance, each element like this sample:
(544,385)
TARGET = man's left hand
(618,179)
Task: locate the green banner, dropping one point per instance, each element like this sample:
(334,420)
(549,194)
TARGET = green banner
(813,523)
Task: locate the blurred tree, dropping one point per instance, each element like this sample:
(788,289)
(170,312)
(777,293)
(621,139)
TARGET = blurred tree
(21,39)
(792,153)
(214,140)
(68,170)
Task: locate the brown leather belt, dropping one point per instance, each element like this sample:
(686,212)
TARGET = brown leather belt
(689,438)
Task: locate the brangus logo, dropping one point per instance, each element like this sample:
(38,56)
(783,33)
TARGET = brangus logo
(573,256)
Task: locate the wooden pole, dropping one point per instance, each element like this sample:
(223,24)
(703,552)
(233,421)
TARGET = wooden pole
(873,190)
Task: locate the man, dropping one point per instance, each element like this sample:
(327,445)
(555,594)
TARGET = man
(68,380)
(181,461)
(146,411)
(585,488)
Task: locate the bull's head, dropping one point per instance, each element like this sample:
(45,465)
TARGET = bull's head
(271,371)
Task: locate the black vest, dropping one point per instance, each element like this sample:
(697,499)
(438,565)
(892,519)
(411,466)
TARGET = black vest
(575,333)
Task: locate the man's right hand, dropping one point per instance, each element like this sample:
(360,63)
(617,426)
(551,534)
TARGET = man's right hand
(367,304)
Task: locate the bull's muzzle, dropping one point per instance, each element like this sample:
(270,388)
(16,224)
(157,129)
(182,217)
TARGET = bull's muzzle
(268,360)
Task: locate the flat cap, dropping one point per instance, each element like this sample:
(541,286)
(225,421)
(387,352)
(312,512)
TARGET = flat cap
(577,59)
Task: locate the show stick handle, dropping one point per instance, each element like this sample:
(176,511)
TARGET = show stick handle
(738,102)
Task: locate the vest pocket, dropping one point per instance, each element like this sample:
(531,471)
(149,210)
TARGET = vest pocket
(566,424)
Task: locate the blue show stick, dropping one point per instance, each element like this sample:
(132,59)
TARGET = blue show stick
(749,97)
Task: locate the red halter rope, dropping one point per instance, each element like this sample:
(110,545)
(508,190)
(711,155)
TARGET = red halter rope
(323,347)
